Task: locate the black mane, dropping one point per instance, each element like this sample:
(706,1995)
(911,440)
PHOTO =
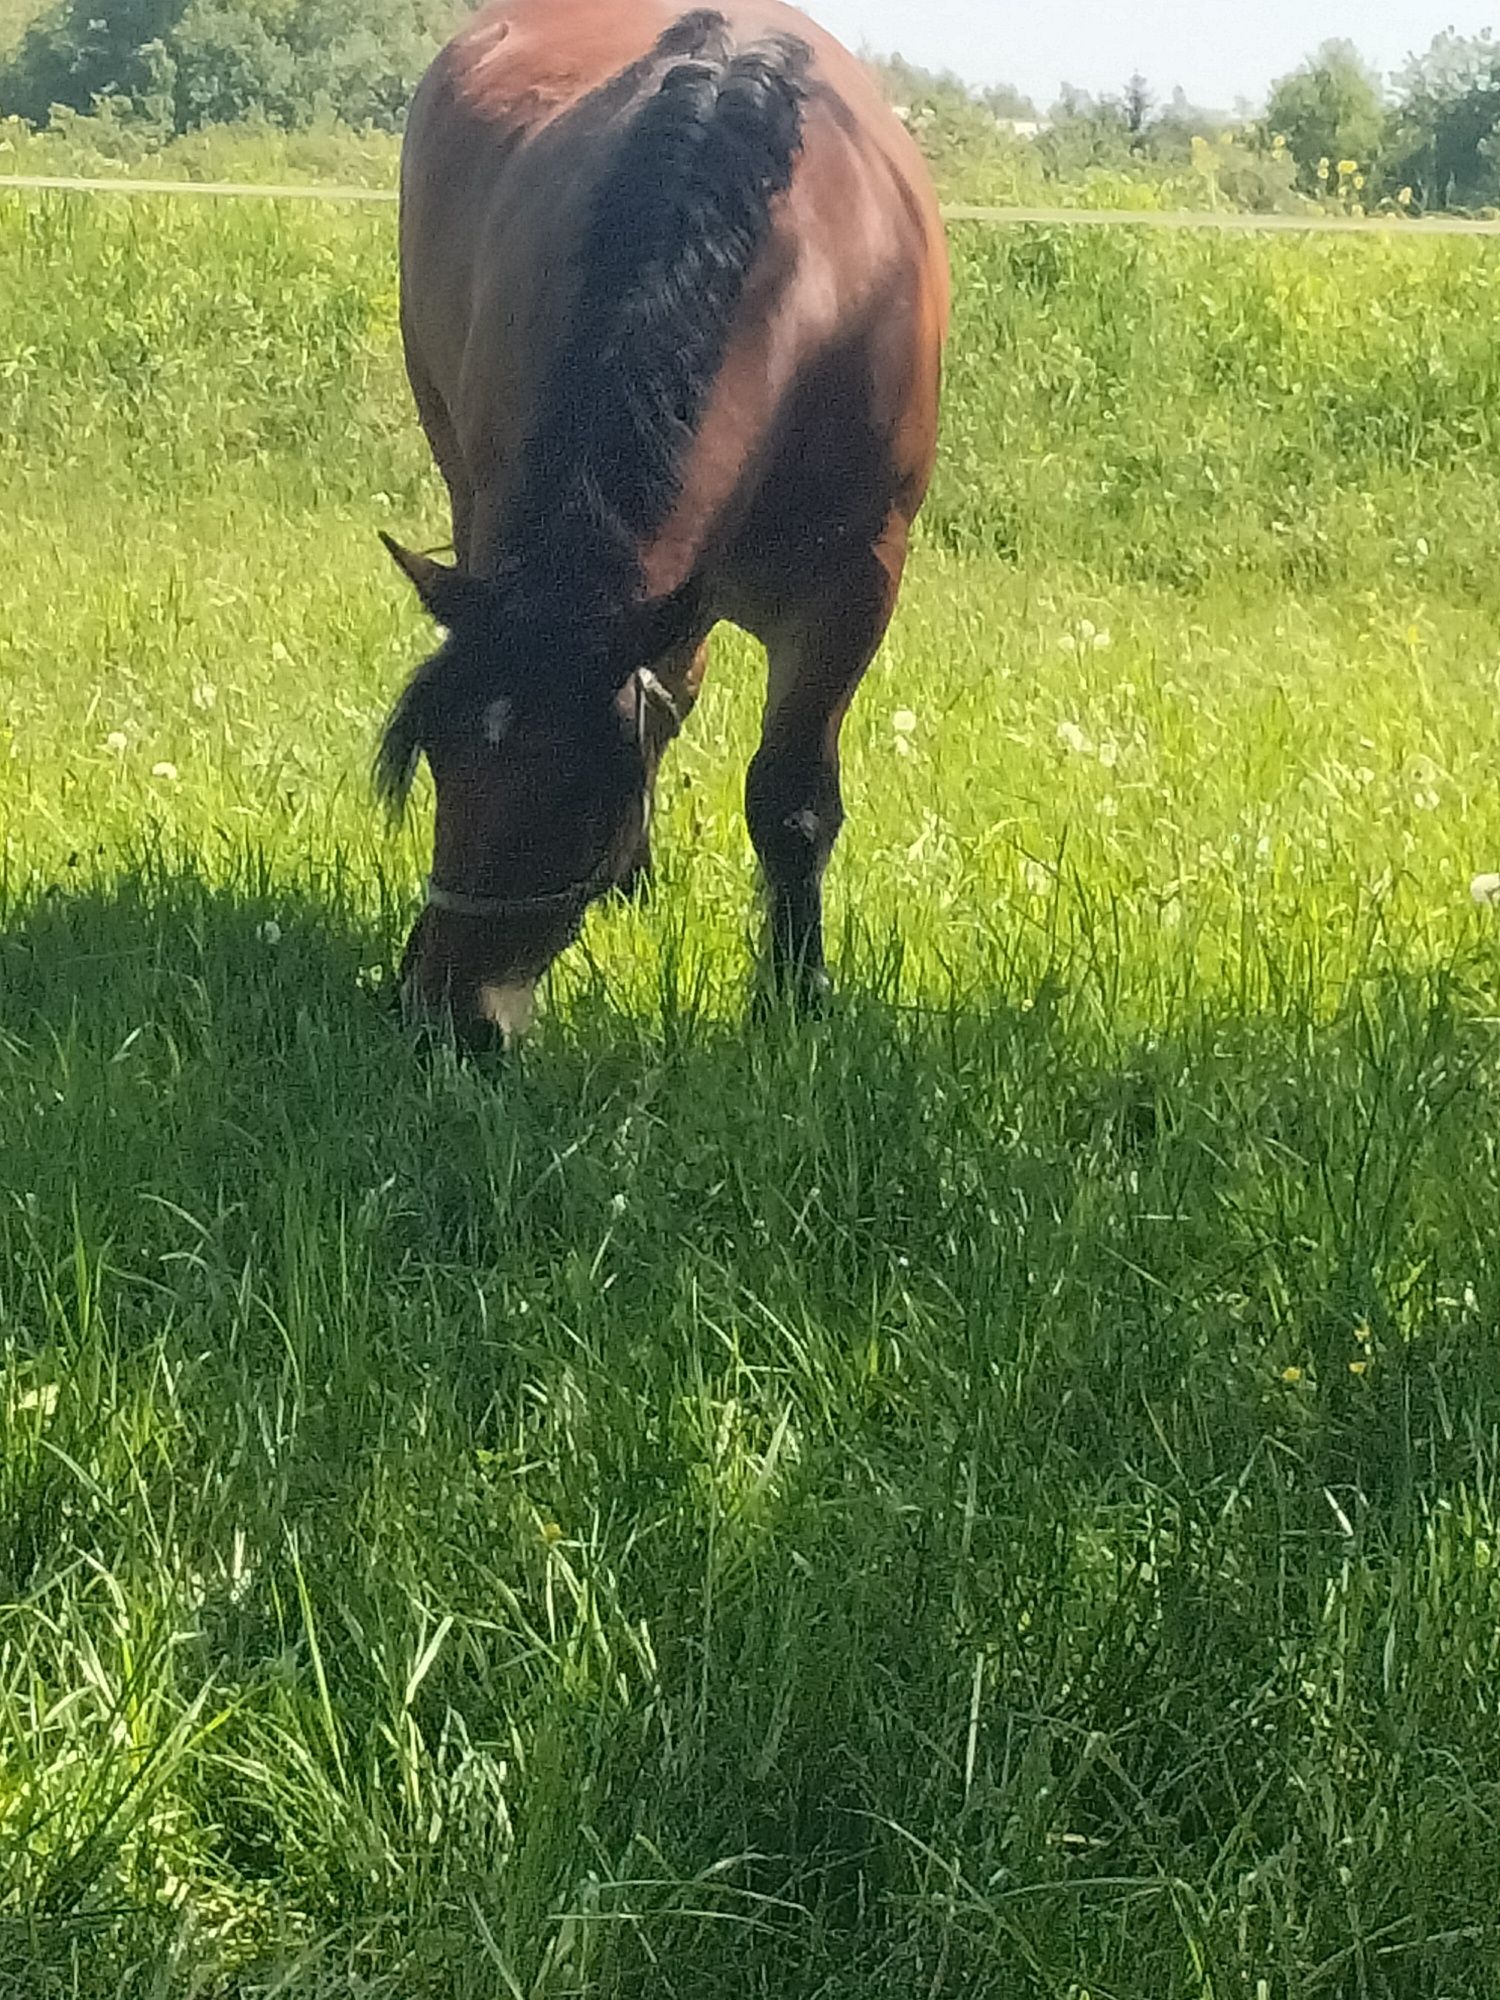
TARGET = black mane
(672,233)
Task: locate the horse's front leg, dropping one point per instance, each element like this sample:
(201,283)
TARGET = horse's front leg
(792,797)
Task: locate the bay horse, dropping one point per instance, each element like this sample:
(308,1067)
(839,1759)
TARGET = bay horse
(674,294)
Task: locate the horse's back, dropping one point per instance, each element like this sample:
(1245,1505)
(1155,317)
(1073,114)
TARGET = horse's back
(510,133)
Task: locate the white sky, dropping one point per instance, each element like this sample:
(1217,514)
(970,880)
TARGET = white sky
(1218,50)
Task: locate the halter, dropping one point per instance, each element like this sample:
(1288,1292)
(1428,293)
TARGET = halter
(650,692)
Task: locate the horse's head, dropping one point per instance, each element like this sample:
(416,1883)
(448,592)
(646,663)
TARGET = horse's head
(540,766)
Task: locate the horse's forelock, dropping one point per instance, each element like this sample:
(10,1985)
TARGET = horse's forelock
(433,701)
(400,751)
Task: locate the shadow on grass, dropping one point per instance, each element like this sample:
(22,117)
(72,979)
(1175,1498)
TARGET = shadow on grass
(1005,1438)
(1134,1214)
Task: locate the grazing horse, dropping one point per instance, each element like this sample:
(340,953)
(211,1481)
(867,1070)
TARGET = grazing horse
(674,298)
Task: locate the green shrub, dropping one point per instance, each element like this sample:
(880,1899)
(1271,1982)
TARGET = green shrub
(189,63)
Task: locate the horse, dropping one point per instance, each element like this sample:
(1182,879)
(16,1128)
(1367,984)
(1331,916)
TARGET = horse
(674,297)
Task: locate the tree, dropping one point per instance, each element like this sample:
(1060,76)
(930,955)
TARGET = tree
(1180,121)
(949,121)
(1448,121)
(78,51)
(1085,133)
(1332,108)
(1005,102)
(197,62)
(1138,105)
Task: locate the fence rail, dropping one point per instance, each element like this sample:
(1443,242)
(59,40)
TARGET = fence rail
(222,190)
(1231,221)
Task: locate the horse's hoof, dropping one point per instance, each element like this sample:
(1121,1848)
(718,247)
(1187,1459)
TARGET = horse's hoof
(806,994)
(812,993)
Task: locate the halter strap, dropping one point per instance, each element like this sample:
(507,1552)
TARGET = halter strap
(649,692)
(456,905)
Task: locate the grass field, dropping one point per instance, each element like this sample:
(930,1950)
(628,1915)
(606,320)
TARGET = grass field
(993,1495)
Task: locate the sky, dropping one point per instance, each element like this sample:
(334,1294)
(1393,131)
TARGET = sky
(1218,50)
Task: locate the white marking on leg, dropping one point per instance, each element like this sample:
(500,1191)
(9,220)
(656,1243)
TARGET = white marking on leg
(509,1007)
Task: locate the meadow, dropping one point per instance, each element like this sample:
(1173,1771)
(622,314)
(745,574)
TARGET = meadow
(994,1493)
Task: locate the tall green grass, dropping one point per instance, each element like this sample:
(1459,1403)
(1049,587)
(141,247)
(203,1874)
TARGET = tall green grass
(992,1494)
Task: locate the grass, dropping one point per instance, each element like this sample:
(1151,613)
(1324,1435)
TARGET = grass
(994,1494)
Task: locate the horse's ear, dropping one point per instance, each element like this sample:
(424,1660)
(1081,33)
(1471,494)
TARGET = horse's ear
(450,596)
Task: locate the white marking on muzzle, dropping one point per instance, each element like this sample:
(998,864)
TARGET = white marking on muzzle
(509,1008)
